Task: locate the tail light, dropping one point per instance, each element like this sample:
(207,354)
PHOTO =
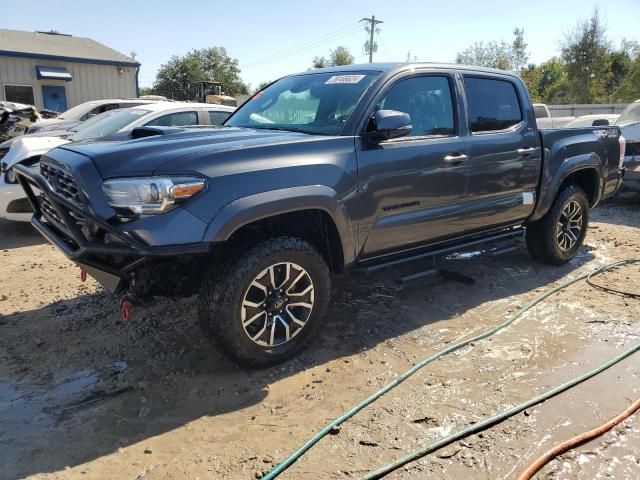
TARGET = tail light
(623,144)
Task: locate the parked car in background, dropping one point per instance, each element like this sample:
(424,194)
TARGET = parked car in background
(595,120)
(545,120)
(629,123)
(16,118)
(27,149)
(83,112)
(360,165)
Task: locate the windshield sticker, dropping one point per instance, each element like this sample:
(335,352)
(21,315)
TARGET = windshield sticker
(344,79)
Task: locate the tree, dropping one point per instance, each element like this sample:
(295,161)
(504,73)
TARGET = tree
(585,51)
(494,54)
(146,91)
(320,62)
(338,56)
(341,56)
(262,85)
(629,89)
(177,78)
(519,54)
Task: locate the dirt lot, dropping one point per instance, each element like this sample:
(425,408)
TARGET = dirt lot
(84,396)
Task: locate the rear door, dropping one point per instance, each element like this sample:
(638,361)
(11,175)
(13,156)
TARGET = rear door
(411,188)
(504,154)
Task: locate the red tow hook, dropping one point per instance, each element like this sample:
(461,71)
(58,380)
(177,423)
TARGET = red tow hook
(83,275)
(126,304)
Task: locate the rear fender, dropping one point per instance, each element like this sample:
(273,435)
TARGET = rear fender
(550,182)
(256,207)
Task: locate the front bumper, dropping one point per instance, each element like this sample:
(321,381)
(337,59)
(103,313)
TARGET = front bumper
(14,204)
(112,264)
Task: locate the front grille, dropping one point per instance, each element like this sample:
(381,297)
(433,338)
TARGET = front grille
(3,152)
(48,210)
(61,182)
(632,149)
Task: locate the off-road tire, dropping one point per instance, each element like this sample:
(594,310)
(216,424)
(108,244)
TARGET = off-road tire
(541,236)
(223,288)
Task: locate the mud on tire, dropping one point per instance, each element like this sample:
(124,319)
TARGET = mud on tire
(232,289)
(556,238)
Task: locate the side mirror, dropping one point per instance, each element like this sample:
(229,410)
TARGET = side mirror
(601,122)
(388,124)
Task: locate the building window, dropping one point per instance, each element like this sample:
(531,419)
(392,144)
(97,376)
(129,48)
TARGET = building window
(19,94)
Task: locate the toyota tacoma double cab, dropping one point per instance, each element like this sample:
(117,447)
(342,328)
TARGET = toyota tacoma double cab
(319,172)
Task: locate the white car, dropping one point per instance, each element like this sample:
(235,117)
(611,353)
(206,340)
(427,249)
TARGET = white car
(544,120)
(595,120)
(85,111)
(27,149)
(629,123)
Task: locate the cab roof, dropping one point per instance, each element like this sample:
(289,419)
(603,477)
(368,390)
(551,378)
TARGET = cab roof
(396,67)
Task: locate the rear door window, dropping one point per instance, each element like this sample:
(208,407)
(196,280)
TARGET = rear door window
(176,119)
(493,104)
(216,117)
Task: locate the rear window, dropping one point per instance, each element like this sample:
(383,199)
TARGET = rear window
(493,104)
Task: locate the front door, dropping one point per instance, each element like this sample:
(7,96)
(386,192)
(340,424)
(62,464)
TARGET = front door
(54,98)
(411,188)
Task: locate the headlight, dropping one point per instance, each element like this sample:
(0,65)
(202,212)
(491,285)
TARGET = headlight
(150,195)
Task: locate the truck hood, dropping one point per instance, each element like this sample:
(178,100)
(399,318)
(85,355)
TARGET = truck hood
(22,148)
(116,158)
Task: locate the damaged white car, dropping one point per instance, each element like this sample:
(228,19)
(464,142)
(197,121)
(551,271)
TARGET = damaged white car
(27,149)
(629,123)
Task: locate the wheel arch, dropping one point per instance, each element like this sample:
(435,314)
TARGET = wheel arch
(314,213)
(584,171)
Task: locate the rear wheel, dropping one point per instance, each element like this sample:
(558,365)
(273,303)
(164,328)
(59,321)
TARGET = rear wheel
(557,237)
(264,306)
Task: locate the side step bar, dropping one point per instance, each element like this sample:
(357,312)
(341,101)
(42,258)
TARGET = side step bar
(438,252)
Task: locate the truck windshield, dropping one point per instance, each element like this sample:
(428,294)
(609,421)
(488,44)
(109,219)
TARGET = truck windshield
(630,115)
(316,103)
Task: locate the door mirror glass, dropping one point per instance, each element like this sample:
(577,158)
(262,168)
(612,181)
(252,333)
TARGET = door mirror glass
(388,124)
(600,122)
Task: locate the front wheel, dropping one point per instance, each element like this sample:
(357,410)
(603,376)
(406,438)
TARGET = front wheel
(557,237)
(264,306)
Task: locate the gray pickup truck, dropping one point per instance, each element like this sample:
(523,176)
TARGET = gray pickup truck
(319,172)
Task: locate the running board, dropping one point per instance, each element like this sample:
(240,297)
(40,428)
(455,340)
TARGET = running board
(438,252)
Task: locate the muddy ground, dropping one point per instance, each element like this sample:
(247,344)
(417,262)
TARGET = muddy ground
(84,396)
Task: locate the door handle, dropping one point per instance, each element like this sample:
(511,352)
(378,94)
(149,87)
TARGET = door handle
(523,152)
(455,158)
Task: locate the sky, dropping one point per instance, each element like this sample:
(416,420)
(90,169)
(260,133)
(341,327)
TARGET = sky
(272,39)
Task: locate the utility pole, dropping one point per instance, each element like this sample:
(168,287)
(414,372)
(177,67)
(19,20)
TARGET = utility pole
(370,46)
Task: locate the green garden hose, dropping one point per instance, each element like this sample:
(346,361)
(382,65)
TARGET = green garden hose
(452,348)
(477,427)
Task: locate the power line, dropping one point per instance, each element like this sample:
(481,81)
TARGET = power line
(342,32)
(371,46)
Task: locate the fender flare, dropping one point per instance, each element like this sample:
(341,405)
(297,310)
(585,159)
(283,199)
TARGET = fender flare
(252,208)
(550,183)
